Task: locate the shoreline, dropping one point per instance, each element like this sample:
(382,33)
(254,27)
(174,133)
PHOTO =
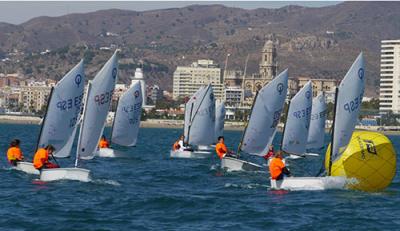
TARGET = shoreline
(156,123)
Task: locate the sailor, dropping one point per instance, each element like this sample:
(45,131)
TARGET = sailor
(221,148)
(103,142)
(41,158)
(179,145)
(270,152)
(14,153)
(277,168)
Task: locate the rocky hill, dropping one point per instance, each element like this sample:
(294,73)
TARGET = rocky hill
(317,42)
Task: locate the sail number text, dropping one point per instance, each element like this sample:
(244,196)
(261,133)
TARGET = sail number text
(103,98)
(302,113)
(319,115)
(353,104)
(277,116)
(135,110)
(70,103)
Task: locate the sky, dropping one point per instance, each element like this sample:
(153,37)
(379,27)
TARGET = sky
(17,12)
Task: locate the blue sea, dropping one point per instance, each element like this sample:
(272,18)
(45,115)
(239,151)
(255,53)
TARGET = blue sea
(146,190)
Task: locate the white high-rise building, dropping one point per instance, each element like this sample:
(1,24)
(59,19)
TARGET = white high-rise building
(139,77)
(389,95)
(188,79)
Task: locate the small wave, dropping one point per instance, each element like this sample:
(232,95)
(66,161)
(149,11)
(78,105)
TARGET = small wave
(214,167)
(245,186)
(106,182)
(7,168)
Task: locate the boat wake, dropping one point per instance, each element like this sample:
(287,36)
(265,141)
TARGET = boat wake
(246,186)
(106,182)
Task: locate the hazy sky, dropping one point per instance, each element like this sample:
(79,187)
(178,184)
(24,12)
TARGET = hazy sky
(21,11)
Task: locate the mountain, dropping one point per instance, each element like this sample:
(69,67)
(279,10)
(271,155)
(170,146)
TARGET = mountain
(316,42)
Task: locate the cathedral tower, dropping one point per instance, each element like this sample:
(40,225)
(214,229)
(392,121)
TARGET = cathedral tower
(268,64)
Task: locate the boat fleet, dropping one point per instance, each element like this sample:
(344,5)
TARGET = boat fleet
(362,160)
(71,108)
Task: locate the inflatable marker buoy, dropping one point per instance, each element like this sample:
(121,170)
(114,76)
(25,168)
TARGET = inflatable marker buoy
(369,158)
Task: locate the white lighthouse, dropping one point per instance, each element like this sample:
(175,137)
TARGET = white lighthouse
(139,77)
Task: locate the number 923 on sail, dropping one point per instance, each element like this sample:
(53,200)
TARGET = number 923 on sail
(103,97)
(70,103)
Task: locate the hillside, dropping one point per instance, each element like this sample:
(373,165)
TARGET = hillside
(317,42)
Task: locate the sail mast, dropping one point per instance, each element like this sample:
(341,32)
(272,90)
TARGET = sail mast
(284,125)
(190,122)
(82,119)
(115,116)
(333,131)
(44,118)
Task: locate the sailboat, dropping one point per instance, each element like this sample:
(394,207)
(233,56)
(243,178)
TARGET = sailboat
(220,112)
(126,121)
(199,124)
(98,98)
(295,132)
(366,156)
(62,114)
(349,95)
(264,118)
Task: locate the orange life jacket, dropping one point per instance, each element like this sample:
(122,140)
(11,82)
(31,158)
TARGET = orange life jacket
(176,146)
(221,150)
(14,153)
(276,167)
(41,157)
(104,143)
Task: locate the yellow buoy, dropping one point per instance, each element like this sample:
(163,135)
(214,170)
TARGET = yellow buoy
(369,157)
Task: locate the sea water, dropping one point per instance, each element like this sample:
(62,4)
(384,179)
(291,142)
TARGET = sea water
(144,189)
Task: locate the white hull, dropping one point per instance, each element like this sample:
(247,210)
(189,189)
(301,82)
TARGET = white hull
(190,154)
(234,164)
(26,167)
(53,174)
(204,148)
(309,183)
(105,152)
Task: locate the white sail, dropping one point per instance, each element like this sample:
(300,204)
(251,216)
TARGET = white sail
(127,116)
(63,112)
(265,115)
(96,108)
(298,121)
(202,125)
(219,119)
(316,133)
(190,108)
(348,104)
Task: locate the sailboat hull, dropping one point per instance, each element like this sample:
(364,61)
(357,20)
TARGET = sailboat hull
(105,152)
(308,183)
(190,154)
(54,174)
(204,148)
(26,167)
(233,164)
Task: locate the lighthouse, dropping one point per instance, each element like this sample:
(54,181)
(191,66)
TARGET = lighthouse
(139,77)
